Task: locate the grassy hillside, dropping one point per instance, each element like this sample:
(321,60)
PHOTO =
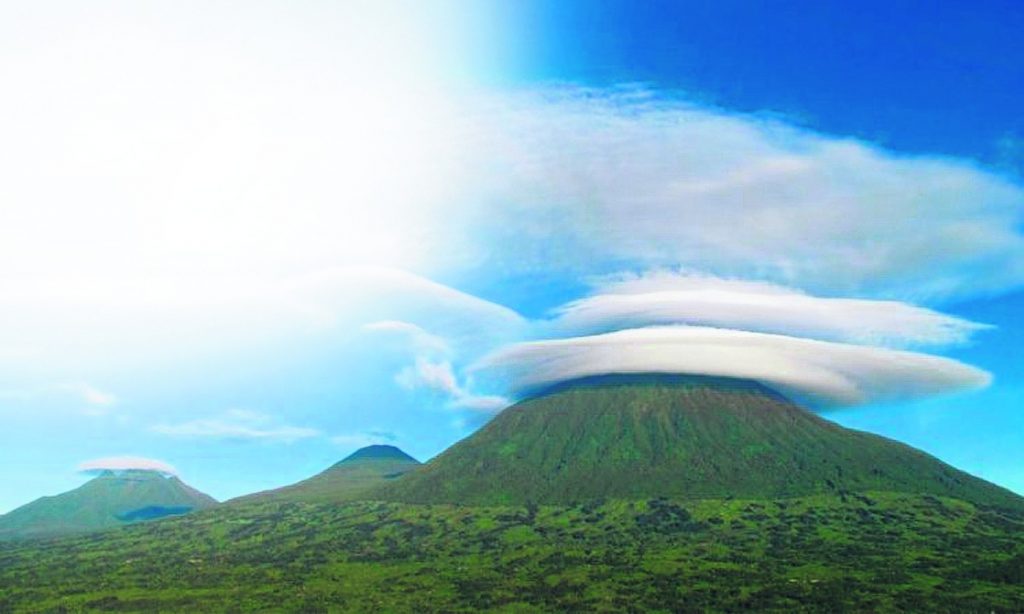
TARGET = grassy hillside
(109,500)
(673,436)
(873,552)
(346,480)
(660,494)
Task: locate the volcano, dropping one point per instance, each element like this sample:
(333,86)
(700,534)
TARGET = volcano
(111,499)
(673,436)
(346,480)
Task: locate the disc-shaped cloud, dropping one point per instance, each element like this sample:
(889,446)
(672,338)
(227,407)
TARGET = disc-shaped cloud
(666,298)
(827,373)
(126,463)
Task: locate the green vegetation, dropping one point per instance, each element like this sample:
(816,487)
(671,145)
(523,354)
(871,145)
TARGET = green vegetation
(673,436)
(346,480)
(109,500)
(653,494)
(866,552)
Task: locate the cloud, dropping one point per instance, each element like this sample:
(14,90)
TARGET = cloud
(557,184)
(592,179)
(432,370)
(664,298)
(97,401)
(363,439)
(238,424)
(125,463)
(422,340)
(825,373)
(114,326)
(487,403)
(440,377)
(434,375)
(380,294)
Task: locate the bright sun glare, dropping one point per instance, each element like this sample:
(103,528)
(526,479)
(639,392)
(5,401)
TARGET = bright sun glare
(230,156)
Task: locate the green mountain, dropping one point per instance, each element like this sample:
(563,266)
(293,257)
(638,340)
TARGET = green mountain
(111,499)
(668,494)
(684,437)
(347,479)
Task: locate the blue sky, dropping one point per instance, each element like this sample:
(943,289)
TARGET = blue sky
(246,241)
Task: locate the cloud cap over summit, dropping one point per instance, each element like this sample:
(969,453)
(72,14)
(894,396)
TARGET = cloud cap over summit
(126,463)
(826,373)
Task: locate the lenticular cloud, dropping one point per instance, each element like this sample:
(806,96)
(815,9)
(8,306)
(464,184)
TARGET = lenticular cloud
(666,298)
(126,463)
(826,373)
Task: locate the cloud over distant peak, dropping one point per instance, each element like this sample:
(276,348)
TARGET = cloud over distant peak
(825,373)
(666,298)
(125,463)
(365,438)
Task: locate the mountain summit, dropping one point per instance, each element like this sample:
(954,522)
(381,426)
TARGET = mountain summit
(377,453)
(347,479)
(111,499)
(674,436)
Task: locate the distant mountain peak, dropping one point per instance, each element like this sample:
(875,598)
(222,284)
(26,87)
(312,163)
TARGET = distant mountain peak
(377,452)
(113,497)
(347,479)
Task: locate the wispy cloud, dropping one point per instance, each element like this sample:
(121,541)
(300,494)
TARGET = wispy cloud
(422,341)
(433,370)
(358,293)
(596,177)
(487,403)
(663,297)
(238,424)
(87,398)
(97,402)
(828,373)
(440,377)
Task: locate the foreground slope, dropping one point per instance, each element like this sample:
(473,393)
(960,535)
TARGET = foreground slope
(674,436)
(872,552)
(345,480)
(111,499)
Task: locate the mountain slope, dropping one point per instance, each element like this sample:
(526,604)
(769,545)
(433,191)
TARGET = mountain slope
(871,552)
(111,499)
(345,480)
(685,437)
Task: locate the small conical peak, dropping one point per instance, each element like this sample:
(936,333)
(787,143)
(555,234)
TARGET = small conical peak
(378,452)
